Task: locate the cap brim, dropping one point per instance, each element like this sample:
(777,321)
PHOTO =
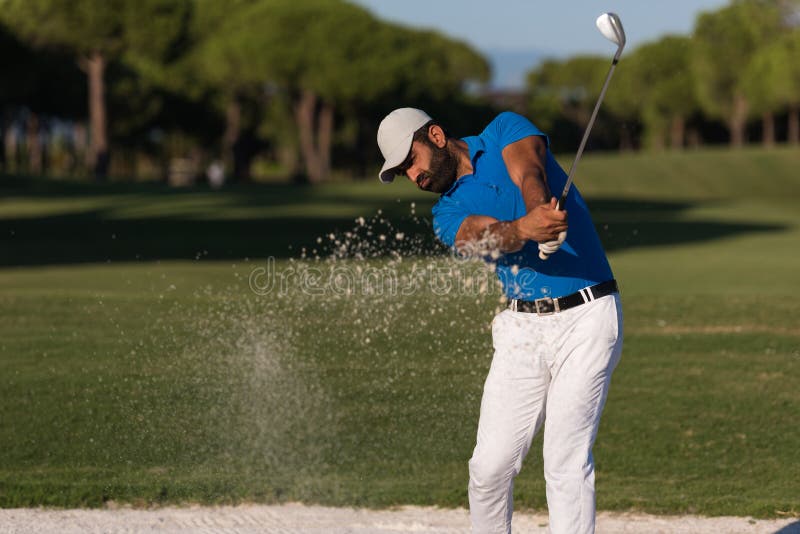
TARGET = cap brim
(395,159)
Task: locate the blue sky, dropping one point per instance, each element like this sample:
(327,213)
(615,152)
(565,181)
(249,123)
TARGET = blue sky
(562,28)
(507,30)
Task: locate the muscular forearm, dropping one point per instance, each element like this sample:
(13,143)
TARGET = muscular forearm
(482,234)
(534,189)
(525,161)
(505,236)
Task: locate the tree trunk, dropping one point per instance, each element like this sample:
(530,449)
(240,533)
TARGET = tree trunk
(243,151)
(11,148)
(95,66)
(324,137)
(33,145)
(314,120)
(625,139)
(364,139)
(794,125)
(3,153)
(693,138)
(655,138)
(305,111)
(233,132)
(738,121)
(768,129)
(79,160)
(677,132)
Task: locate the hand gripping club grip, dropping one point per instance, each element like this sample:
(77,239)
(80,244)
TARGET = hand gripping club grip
(542,255)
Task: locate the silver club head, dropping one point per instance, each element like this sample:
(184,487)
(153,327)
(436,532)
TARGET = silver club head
(611,28)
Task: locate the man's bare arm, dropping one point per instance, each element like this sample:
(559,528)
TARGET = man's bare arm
(482,232)
(525,161)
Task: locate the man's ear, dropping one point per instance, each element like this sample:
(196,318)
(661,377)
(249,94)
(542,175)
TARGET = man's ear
(437,136)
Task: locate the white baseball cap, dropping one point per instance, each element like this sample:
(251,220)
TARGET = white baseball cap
(395,135)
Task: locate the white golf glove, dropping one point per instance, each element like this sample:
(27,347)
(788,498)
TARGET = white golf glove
(551,247)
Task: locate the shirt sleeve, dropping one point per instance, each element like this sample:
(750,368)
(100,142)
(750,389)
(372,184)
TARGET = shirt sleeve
(510,127)
(448,215)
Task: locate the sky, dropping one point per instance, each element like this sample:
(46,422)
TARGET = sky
(507,30)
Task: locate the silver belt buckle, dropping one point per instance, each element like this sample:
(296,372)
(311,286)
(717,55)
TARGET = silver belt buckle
(545,306)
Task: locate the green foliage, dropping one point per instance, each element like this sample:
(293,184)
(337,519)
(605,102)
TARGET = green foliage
(723,44)
(786,82)
(136,41)
(772,79)
(335,49)
(279,53)
(180,64)
(427,63)
(28,76)
(655,83)
(83,26)
(729,61)
(562,95)
(109,27)
(574,83)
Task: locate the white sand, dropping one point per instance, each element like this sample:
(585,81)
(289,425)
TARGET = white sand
(301,519)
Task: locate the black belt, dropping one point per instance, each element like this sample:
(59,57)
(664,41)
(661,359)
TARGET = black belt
(548,306)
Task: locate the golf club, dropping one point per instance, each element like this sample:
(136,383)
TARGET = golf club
(611,28)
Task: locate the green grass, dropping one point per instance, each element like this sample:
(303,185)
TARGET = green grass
(164,378)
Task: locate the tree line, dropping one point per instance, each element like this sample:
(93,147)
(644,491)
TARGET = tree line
(235,79)
(728,81)
(131,88)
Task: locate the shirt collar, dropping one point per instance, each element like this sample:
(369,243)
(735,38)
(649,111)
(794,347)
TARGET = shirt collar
(476,148)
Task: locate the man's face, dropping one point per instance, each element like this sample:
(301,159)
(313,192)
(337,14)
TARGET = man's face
(430,167)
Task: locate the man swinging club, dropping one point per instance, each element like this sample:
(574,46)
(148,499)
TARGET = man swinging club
(558,342)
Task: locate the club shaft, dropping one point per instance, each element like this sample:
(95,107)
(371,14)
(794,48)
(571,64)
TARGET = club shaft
(574,167)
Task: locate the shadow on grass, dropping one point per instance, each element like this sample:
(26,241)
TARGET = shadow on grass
(100,233)
(632,223)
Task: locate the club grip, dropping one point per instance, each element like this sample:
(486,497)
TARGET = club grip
(559,205)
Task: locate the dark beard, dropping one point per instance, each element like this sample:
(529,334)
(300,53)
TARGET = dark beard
(443,170)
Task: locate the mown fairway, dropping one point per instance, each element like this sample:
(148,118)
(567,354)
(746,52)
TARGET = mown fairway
(137,365)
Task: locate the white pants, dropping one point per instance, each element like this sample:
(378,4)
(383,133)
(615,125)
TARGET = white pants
(554,369)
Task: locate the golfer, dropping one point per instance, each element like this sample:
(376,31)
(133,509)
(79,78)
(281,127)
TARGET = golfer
(559,340)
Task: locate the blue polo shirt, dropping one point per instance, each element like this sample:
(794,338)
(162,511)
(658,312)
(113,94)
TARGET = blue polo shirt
(489,191)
